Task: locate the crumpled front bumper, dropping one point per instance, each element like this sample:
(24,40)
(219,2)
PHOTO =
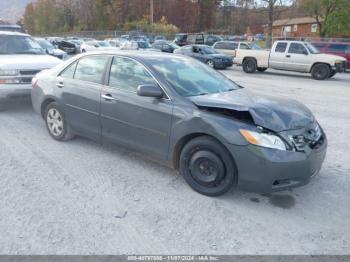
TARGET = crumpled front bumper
(265,170)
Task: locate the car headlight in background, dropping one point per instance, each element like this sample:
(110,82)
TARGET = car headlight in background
(263,139)
(9,72)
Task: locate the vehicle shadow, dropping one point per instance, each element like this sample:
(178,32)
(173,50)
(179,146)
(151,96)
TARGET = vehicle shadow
(298,75)
(16,104)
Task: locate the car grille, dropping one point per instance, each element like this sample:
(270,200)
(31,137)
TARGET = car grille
(29,72)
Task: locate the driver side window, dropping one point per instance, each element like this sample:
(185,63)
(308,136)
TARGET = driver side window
(296,48)
(127,74)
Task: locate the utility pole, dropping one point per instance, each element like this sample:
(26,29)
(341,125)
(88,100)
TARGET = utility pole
(151,11)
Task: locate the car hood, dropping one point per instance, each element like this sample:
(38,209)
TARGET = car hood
(272,113)
(28,62)
(327,58)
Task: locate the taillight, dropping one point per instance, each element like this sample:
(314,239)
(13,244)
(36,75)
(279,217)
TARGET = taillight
(34,82)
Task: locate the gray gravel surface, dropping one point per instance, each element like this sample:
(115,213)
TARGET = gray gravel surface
(81,197)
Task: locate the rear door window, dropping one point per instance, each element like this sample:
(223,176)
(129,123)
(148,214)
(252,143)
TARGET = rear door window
(91,69)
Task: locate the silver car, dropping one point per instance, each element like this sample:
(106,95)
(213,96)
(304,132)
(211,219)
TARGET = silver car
(183,112)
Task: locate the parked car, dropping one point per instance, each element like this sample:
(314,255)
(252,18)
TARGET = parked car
(334,48)
(206,54)
(140,38)
(212,39)
(159,37)
(130,45)
(295,56)
(67,46)
(21,57)
(11,28)
(229,47)
(186,114)
(188,39)
(165,46)
(116,42)
(51,49)
(95,45)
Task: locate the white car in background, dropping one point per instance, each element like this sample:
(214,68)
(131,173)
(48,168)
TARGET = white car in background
(95,45)
(21,58)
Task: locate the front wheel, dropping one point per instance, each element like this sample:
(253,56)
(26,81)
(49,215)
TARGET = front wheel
(207,166)
(56,123)
(210,63)
(249,65)
(320,71)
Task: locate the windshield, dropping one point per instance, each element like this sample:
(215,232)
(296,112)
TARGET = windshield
(208,50)
(192,78)
(11,44)
(311,48)
(45,44)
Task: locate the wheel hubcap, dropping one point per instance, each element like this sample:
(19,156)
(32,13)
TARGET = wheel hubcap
(206,168)
(210,63)
(55,122)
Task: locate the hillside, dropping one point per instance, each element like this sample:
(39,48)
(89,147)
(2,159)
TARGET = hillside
(12,10)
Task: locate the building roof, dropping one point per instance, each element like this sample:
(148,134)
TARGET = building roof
(295,21)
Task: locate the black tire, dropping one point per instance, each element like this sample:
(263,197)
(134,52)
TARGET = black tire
(261,69)
(320,71)
(64,132)
(333,73)
(210,63)
(249,65)
(207,166)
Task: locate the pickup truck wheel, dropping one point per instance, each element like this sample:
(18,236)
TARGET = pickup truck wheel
(262,69)
(207,166)
(333,73)
(249,65)
(320,71)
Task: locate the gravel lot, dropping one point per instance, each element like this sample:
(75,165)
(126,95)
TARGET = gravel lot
(81,197)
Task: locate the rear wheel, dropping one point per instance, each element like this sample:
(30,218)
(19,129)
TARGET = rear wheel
(249,65)
(207,166)
(56,123)
(320,71)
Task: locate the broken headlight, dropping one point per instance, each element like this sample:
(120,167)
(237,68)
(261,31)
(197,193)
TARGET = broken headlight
(263,139)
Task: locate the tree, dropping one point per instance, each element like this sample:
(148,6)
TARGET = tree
(332,16)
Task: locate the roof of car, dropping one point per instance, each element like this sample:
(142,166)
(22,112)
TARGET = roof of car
(137,54)
(12,33)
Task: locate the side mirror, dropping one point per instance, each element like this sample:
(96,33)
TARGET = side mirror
(150,91)
(49,52)
(305,52)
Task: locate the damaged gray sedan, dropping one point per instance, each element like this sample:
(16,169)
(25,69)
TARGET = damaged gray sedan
(179,110)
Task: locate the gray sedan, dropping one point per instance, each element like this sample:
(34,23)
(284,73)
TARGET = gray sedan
(183,112)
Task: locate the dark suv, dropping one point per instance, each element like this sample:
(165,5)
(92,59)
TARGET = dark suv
(188,39)
(340,49)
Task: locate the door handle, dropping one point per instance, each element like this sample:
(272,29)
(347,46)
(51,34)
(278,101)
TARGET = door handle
(108,97)
(288,56)
(60,84)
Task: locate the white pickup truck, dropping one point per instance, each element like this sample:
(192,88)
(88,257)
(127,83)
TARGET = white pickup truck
(295,56)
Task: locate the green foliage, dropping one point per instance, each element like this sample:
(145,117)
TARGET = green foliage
(333,16)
